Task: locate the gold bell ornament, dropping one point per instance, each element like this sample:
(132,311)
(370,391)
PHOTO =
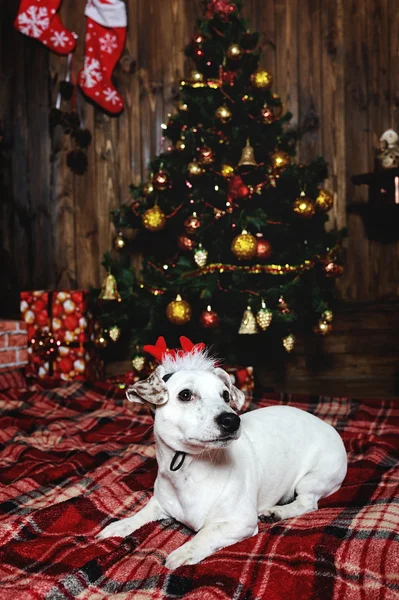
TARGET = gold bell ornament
(114,333)
(154,219)
(200,256)
(247,156)
(248,323)
(264,316)
(289,342)
(324,201)
(178,311)
(109,289)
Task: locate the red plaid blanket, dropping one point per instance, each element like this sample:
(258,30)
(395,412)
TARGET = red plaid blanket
(75,457)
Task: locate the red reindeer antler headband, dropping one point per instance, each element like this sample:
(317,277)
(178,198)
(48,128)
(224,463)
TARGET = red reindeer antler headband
(160,350)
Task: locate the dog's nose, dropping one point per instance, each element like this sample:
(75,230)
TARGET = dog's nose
(228,421)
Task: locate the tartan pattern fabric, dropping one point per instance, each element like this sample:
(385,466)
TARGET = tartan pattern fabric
(76,457)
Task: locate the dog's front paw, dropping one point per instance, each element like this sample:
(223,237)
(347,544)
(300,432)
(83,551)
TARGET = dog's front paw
(185,555)
(117,529)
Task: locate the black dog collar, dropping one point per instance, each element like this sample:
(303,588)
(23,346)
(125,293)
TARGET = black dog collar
(177,461)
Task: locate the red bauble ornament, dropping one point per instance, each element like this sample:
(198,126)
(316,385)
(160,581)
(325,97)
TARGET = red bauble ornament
(237,188)
(263,249)
(209,318)
(185,243)
(160,180)
(333,270)
(192,223)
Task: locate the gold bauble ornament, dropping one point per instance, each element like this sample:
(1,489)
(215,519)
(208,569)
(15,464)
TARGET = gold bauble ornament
(328,316)
(192,223)
(223,114)
(114,333)
(200,256)
(100,341)
(182,106)
(324,201)
(262,79)
(322,327)
(227,170)
(196,76)
(234,52)
(304,206)
(206,156)
(148,188)
(247,156)
(160,180)
(109,289)
(289,342)
(178,311)
(248,323)
(264,316)
(180,145)
(194,169)
(119,241)
(154,219)
(138,362)
(244,246)
(280,160)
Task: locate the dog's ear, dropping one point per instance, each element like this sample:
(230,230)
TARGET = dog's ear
(152,390)
(236,395)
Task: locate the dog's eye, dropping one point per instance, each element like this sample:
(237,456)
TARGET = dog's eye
(185,395)
(226,396)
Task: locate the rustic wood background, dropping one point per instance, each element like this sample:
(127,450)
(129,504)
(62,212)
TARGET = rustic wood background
(335,64)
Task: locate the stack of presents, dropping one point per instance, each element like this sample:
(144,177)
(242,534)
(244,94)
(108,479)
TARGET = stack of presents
(54,341)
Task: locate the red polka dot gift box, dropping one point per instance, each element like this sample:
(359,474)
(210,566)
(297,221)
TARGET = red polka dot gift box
(60,335)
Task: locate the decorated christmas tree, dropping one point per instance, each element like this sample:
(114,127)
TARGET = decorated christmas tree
(231,229)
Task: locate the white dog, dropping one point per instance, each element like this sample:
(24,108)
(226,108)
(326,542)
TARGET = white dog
(217,471)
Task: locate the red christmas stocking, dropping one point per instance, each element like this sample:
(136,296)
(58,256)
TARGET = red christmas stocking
(105,39)
(39,19)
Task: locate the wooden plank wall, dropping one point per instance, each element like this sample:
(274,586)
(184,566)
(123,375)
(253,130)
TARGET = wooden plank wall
(335,64)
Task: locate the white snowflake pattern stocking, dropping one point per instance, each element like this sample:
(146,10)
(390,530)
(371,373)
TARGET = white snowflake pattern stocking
(104,42)
(39,19)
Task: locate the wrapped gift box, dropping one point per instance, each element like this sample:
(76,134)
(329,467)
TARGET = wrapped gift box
(60,335)
(13,345)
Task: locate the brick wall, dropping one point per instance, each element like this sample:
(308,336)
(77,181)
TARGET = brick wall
(13,345)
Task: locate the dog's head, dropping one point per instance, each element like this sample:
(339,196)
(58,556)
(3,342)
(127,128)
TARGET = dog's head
(195,408)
